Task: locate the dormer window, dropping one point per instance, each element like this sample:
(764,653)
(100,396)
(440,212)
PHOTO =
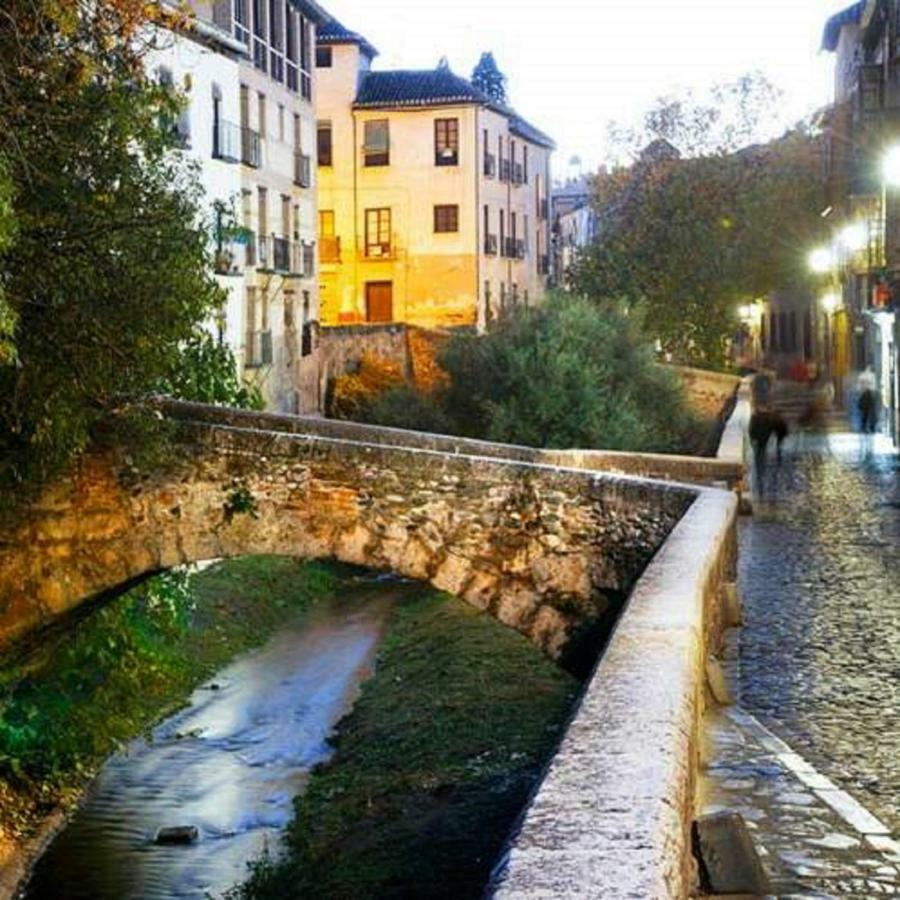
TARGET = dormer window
(377,146)
(446,142)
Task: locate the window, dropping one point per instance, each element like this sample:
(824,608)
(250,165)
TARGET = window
(323,57)
(326,223)
(378,232)
(446,142)
(323,140)
(525,161)
(446,219)
(377,146)
(261,114)
(280,121)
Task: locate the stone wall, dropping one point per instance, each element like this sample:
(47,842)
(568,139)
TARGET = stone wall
(342,348)
(726,472)
(542,548)
(612,815)
(709,393)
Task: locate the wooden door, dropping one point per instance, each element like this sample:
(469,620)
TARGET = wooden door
(379,301)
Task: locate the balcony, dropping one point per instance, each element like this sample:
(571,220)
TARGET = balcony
(278,254)
(383,250)
(490,165)
(519,249)
(505,170)
(302,170)
(329,249)
(490,244)
(518,174)
(251,153)
(257,349)
(226,142)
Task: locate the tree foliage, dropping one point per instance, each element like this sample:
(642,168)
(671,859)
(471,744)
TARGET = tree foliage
(567,374)
(106,274)
(487,77)
(206,372)
(684,240)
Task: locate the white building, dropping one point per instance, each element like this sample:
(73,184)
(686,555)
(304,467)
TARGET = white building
(203,64)
(247,70)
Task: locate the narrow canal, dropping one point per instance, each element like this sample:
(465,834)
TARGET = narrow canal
(229,764)
(339,734)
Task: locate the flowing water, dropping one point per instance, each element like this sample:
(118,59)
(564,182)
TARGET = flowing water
(230,764)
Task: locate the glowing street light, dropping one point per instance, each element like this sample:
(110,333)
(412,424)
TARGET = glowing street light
(853,237)
(890,166)
(830,302)
(821,260)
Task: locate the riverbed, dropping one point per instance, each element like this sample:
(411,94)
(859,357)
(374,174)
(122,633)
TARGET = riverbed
(228,764)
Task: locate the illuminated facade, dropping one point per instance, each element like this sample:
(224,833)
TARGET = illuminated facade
(433,199)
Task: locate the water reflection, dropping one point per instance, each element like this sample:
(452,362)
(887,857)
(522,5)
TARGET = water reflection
(230,764)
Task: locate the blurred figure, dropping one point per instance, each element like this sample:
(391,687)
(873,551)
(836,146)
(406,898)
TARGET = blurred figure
(765,422)
(760,390)
(867,401)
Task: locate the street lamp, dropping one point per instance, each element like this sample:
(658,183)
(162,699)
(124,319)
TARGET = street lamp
(890,166)
(830,302)
(821,260)
(853,237)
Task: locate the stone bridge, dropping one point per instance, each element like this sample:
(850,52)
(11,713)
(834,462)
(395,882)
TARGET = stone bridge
(542,540)
(544,549)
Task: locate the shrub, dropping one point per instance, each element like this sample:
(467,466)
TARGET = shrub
(567,374)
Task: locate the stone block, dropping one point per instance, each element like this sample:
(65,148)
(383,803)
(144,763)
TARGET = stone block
(728,860)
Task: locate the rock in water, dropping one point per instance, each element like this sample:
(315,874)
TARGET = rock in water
(178,834)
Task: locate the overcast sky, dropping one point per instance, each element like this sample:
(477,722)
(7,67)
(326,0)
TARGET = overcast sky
(574,65)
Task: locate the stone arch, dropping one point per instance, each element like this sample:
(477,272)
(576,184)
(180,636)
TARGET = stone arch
(542,549)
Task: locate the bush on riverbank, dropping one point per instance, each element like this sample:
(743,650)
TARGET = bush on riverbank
(432,766)
(562,375)
(126,665)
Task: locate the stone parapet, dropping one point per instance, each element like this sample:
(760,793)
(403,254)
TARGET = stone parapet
(611,818)
(721,472)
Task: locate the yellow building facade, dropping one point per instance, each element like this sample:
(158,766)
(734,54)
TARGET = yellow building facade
(433,199)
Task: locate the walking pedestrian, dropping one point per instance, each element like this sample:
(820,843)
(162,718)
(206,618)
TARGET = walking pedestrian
(867,401)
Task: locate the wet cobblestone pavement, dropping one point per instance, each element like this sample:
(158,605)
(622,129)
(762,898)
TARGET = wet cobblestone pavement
(819,666)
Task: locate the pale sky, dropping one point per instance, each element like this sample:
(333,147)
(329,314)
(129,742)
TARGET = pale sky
(574,65)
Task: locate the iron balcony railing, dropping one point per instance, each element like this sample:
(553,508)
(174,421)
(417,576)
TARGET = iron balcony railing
(227,144)
(490,244)
(276,253)
(519,249)
(509,248)
(302,170)
(518,174)
(329,249)
(251,150)
(505,170)
(257,349)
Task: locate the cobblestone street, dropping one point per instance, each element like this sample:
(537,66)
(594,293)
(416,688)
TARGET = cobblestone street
(811,755)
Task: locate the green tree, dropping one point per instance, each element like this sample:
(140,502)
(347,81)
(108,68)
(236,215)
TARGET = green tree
(487,77)
(207,372)
(684,240)
(109,270)
(566,374)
